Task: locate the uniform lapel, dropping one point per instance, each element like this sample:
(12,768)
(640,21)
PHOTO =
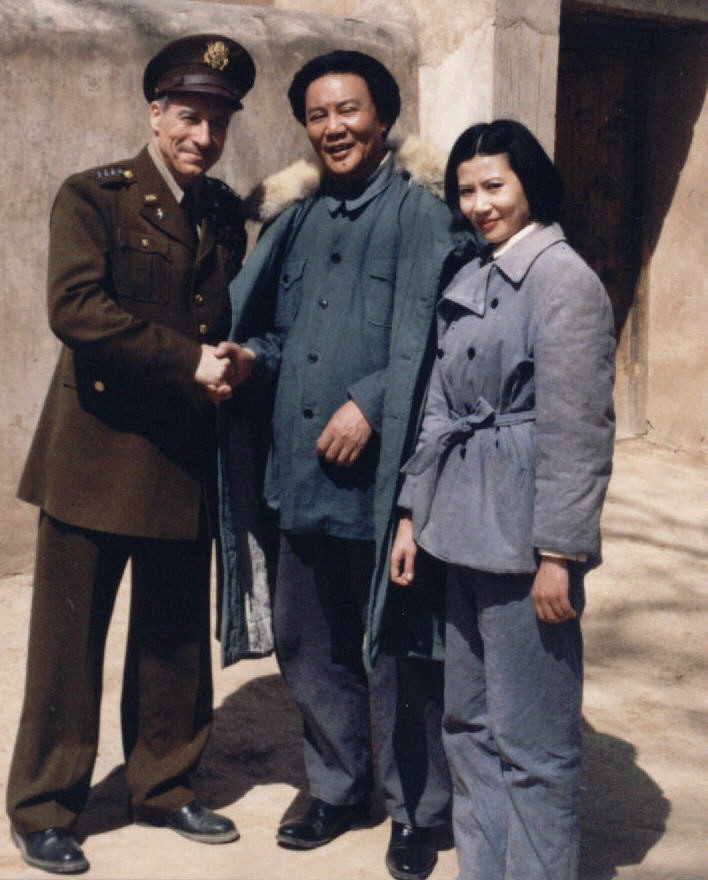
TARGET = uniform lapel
(159,207)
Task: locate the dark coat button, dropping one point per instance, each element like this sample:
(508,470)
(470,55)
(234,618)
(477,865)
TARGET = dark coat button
(307,413)
(471,352)
(440,353)
(313,357)
(494,303)
(323,303)
(336,258)
(463,451)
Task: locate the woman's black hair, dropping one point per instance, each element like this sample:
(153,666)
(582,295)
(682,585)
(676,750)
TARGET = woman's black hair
(541,180)
(383,88)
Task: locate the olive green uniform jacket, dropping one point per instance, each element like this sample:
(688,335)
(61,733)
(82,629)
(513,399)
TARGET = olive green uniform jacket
(133,292)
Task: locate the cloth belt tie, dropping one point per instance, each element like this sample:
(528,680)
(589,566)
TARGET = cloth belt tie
(482,416)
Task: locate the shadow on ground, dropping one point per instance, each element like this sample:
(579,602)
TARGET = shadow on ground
(623,812)
(256,741)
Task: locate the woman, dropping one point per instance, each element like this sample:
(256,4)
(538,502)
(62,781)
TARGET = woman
(506,487)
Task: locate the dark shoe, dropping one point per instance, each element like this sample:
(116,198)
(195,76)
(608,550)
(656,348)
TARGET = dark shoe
(197,823)
(53,849)
(411,853)
(321,823)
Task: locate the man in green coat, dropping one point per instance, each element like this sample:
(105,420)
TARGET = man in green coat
(123,461)
(338,300)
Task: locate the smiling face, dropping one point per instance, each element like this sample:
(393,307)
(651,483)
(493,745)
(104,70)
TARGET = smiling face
(189,133)
(343,126)
(492,197)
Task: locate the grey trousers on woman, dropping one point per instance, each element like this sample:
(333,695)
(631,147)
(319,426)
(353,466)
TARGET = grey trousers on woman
(511,729)
(321,599)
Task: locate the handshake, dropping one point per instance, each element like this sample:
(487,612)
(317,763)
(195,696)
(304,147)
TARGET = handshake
(221,367)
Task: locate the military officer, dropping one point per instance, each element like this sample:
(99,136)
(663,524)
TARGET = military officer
(141,253)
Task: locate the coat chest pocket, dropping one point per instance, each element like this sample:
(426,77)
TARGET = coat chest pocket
(289,292)
(141,269)
(380,281)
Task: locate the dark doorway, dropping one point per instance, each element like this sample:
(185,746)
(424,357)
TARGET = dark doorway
(599,123)
(624,124)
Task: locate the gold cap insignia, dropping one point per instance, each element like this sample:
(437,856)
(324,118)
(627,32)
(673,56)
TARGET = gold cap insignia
(216,55)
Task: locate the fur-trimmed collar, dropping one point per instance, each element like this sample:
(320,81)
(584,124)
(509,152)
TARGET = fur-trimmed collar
(413,157)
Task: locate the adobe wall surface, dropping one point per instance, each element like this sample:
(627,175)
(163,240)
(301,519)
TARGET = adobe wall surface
(677,282)
(72,99)
(477,59)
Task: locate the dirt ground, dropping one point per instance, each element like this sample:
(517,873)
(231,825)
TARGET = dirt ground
(645,798)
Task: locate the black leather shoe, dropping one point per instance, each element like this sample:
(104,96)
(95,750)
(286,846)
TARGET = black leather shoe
(53,849)
(411,853)
(197,823)
(321,823)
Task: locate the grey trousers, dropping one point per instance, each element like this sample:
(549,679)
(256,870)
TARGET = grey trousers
(511,729)
(321,599)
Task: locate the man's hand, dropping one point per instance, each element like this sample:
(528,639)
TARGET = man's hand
(344,436)
(550,591)
(223,366)
(213,369)
(403,554)
(241,359)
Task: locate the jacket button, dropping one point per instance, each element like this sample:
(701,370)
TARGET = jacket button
(203,329)
(199,299)
(336,258)
(286,278)
(307,413)
(99,386)
(471,352)
(323,303)
(494,303)
(440,353)
(145,242)
(463,451)
(313,357)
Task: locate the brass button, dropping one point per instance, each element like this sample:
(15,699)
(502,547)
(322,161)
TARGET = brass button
(203,329)
(128,174)
(199,299)
(99,386)
(145,242)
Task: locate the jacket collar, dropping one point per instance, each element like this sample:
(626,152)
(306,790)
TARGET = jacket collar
(338,200)
(159,206)
(413,159)
(516,262)
(469,286)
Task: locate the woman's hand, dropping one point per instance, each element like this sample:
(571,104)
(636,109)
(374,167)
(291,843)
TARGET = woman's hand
(403,553)
(550,591)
